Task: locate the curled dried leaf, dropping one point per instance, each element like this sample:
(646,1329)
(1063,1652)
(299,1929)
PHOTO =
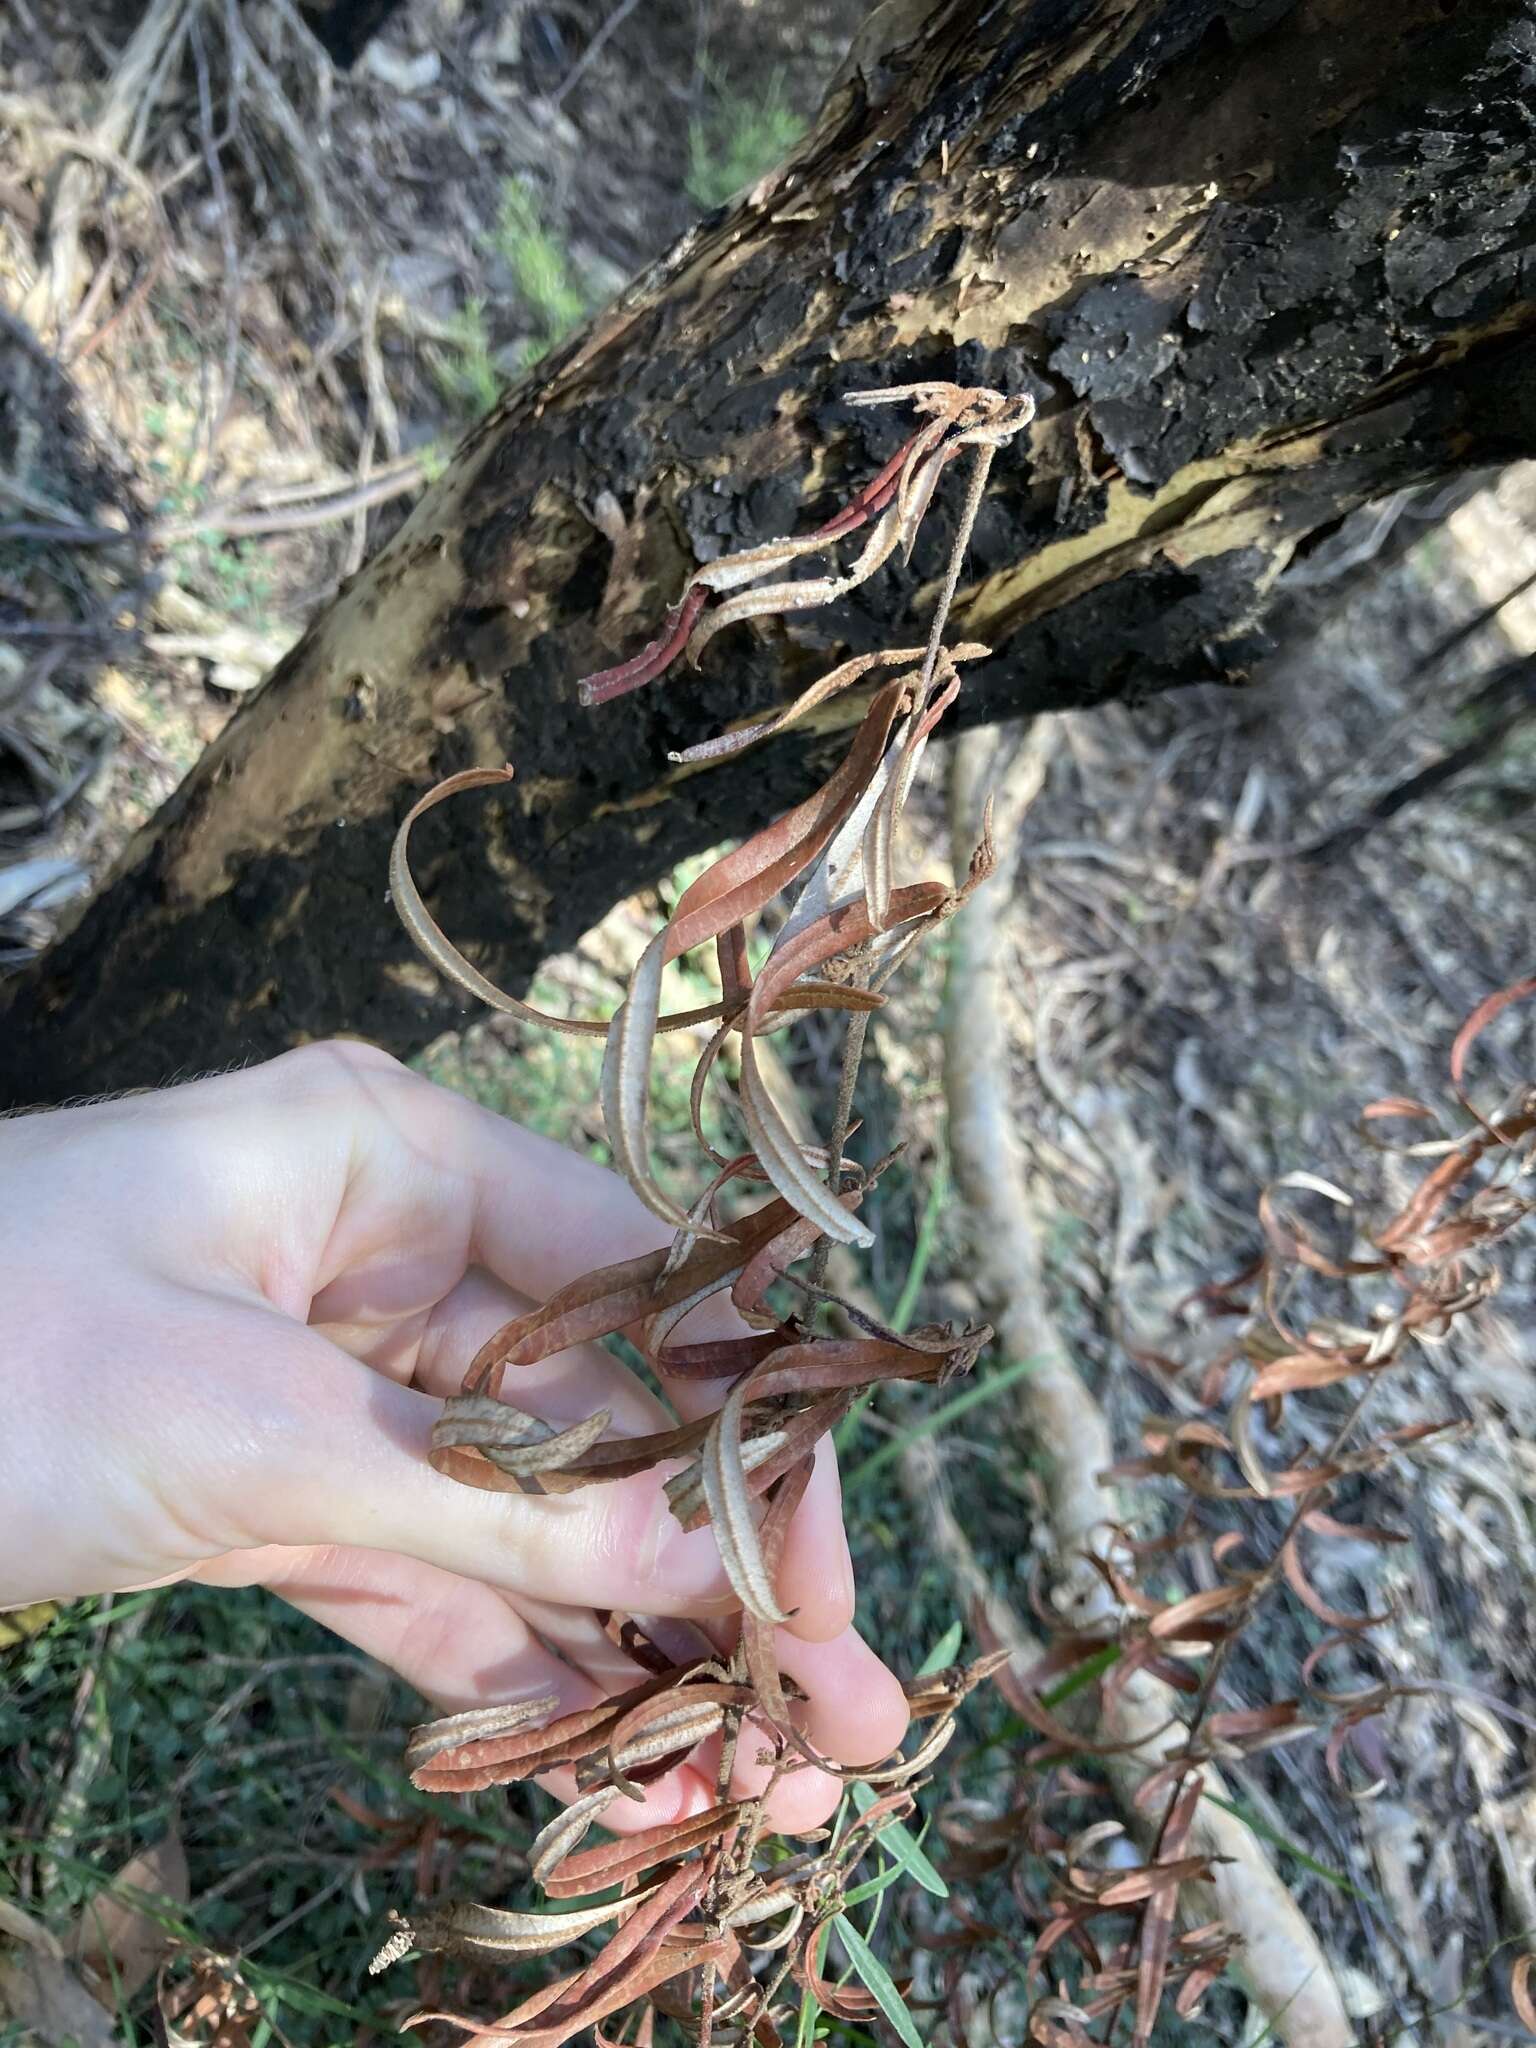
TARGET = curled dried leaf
(653,660)
(440,951)
(490,1444)
(570,1826)
(776,598)
(478,1724)
(730,1509)
(468,1929)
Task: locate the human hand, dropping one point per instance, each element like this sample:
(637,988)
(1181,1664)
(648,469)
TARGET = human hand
(232,1310)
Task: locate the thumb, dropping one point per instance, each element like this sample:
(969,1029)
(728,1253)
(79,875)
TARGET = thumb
(328,1452)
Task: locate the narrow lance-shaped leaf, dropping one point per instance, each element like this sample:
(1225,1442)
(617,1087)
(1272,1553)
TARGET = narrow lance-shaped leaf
(438,1763)
(491,1445)
(466,1929)
(558,1838)
(478,1724)
(756,1632)
(446,957)
(901,1843)
(843,677)
(776,1144)
(617,1862)
(880,1982)
(626,1084)
(730,1509)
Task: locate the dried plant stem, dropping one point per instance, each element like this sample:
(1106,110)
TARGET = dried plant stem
(858,1022)
(788,1384)
(848,1081)
(981,469)
(1282,1968)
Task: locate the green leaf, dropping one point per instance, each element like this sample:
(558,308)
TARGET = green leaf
(1081,1675)
(944,1651)
(922,1251)
(901,1843)
(878,1979)
(939,1418)
(906,1302)
(872,1887)
(1075,1680)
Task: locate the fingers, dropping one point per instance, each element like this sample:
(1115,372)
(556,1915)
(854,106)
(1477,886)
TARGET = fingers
(435,1184)
(297,1444)
(816,1569)
(464,1645)
(459,1644)
(855,1713)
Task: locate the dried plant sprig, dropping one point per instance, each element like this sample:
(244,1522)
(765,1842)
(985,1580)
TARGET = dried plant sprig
(1105,1954)
(898,498)
(728,1917)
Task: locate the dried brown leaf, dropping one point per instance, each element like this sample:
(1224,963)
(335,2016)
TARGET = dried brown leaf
(118,1939)
(465,1928)
(484,1442)
(617,1862)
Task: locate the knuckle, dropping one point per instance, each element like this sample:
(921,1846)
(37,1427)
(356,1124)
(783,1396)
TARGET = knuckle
(329,1060)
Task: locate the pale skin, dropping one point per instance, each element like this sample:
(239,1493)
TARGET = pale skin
(231,1312)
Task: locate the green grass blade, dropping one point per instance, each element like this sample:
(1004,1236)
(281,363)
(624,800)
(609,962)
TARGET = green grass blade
(901,1843)
(1079,1676)
(852,1422)
(906,1302)
(1273,1836)
(878,1978)
(1076,1680)
(922,1251)
(944,1651)
(940,1418)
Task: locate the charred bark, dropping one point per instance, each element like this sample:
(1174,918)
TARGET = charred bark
(1259,261)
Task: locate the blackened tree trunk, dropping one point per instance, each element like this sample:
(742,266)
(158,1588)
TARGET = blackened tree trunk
(1258,260)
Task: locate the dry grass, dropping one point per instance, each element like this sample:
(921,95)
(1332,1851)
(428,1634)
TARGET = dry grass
(248,303)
